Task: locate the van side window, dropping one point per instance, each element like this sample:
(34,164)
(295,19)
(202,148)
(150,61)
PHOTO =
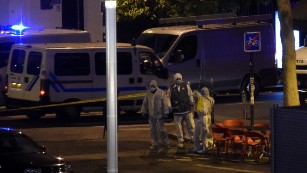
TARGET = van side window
(72,64)
(18,59)
(124,63)
(34,63)
(149,64)
(5,52)
(185,50)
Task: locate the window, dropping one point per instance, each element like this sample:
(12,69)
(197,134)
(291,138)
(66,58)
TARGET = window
(124,63)
(4,53)
(72,64)
(160,43)
(18,59)
(34,63)
(149,64)
(100,63)
(185,50)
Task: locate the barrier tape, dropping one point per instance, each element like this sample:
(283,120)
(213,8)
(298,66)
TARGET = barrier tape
(24,110)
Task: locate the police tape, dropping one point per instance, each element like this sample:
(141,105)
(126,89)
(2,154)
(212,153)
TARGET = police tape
(48,107)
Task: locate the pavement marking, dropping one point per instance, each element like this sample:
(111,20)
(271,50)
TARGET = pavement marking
(185,159)
(240,103)
(100,156)
(229,169)
(97,156)
(134,129)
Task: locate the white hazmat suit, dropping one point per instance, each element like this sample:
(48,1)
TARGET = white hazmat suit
(156,105)
(202,131)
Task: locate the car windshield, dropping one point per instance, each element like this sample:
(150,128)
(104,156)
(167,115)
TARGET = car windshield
(160,43)
(17,144)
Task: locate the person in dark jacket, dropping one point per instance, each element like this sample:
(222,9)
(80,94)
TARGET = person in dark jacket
(181,100)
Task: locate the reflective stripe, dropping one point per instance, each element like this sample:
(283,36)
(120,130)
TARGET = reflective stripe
(32,83)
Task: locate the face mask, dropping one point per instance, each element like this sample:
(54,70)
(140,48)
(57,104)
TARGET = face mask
(153,89)
(178,81)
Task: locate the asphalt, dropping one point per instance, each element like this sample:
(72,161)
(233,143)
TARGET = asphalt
(134,156)
(183,160)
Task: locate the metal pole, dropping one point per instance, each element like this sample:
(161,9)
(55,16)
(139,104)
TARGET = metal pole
(244,104)
(252,87)
(111,86)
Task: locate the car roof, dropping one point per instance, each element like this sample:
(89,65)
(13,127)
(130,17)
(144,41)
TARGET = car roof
(43,32)
(76,45)
(181,29)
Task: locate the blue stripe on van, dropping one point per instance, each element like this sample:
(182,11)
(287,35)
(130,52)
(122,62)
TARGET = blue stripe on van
(58,87)
(54,87)
(32,83)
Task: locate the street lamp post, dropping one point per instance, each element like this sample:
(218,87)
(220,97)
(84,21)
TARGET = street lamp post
(112,144)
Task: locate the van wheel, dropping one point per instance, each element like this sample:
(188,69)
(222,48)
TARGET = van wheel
(246,84)
(69,113)
(35,115)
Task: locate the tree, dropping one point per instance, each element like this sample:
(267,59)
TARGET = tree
(291,97)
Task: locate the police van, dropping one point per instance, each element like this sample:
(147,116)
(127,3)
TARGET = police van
(40,74)
(211,51)
(9,36)
(301,65)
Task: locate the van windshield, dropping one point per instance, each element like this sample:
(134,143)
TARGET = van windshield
(160,43)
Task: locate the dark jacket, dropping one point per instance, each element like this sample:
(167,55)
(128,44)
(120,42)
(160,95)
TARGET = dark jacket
(180,100)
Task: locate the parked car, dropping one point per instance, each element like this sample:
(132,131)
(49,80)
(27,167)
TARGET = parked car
(20,154)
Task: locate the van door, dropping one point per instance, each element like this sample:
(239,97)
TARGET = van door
(31,76)
(185,54)
(15,73)
(126,76)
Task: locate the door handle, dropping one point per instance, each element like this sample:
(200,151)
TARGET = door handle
(26,79)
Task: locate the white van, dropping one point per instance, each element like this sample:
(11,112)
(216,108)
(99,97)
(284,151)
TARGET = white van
(301,65)
(9,37)
(211,53)
(55,73)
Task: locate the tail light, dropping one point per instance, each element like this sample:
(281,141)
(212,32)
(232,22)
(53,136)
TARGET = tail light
(44,88)
(6,87)
(44,91)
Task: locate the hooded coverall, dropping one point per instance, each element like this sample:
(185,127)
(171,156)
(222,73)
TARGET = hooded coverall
(156,105)
(202,132)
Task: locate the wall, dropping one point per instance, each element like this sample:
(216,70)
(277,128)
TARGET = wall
(93,19)
(4,12)
(30,14)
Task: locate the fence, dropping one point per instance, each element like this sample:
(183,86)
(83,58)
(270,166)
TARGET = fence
(289,139)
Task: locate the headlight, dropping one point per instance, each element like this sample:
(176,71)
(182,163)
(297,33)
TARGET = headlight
(66,168)
(32,170)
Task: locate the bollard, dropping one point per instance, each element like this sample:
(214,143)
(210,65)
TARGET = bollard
(244,103)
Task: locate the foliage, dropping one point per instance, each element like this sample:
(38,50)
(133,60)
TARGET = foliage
(155,9)
(132,9)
